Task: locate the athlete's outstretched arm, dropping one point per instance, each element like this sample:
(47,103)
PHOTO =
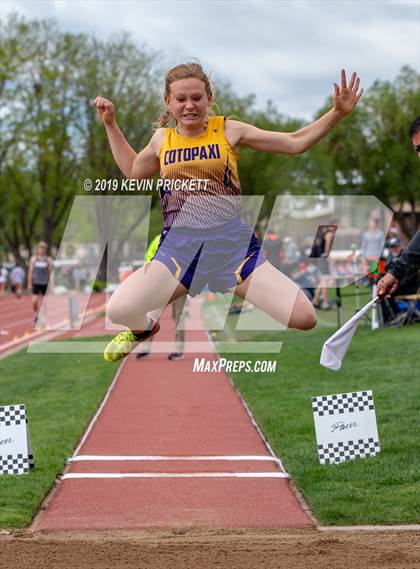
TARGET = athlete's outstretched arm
(145,164)
(345,99)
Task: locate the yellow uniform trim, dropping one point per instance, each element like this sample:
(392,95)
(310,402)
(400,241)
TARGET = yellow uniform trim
(178,268)
(239,269)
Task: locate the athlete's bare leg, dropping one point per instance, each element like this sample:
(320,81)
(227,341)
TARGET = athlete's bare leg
(322,290)
(36,302)
(270,290)
(149,288)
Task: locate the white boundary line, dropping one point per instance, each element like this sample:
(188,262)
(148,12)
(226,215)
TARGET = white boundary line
(250,415)
(98,412)
(76,475)
(88,457)
(254,422)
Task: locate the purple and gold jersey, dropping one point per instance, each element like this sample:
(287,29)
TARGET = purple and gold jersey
(210,193)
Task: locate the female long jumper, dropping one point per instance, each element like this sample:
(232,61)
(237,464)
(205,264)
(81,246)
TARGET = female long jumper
(203,240)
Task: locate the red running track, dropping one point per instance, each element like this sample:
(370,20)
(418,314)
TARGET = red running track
(17,319)
(182,431)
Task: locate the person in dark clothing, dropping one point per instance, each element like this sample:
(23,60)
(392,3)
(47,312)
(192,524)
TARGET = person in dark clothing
(407,284)
(272,247)
(403,266)
(321,250)
(409,261)
(40,271)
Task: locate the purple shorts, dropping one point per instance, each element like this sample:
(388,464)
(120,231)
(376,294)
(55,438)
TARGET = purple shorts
(221,257)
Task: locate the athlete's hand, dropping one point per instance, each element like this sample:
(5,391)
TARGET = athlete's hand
(387,285)
(346,97)
(105,109)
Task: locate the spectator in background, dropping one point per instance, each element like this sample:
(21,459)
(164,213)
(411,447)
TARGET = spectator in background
(307,277)
(3,279)
(17,278)
(80,276)
(393,232)
(40,269)
(308,242)
(372,243)
(179,315)
(291,255)
(320,250)
(395,247)
(272,248)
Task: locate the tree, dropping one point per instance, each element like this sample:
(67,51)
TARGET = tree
(51,137)
(127,75)
(40,161)
(371,151)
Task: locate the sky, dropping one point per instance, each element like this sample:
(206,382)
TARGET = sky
(286,51)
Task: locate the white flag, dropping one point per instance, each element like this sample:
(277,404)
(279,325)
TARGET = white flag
(336,346)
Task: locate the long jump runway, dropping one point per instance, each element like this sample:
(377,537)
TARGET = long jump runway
(172,448)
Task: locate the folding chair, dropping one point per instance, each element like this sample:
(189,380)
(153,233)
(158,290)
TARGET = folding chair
(412,314)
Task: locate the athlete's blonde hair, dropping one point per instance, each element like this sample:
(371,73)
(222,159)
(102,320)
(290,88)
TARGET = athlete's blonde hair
(183,71)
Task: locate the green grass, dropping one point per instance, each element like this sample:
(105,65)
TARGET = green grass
(375,490)
(61,393)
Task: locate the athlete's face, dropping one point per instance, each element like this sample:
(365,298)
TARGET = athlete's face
(188,101)
(41,250)
(416,143)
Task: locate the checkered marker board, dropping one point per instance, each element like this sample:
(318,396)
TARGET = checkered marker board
(345,426)
(15,447)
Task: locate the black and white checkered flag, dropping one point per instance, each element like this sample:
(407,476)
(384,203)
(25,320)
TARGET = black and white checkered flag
(345,426)
(15,448)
